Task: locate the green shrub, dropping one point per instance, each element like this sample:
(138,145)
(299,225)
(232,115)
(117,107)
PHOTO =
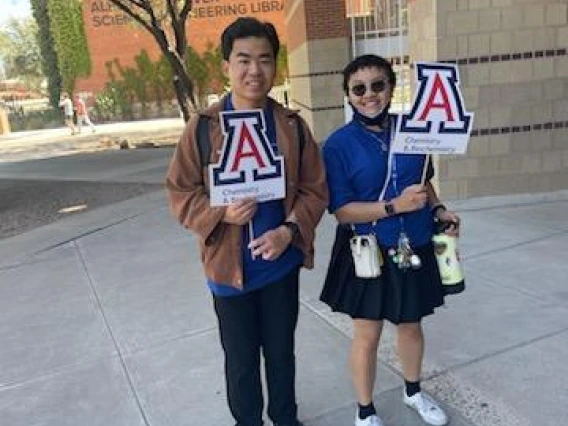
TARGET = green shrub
(36,120)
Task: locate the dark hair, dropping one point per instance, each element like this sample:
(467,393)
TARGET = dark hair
(367,61)
(248,27)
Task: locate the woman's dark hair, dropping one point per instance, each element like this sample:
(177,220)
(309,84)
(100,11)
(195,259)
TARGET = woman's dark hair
(367,61)
(248,27)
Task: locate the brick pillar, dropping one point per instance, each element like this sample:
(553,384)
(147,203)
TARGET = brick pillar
(513,64)
(318,49)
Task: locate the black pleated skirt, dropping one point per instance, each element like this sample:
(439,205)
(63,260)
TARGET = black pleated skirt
(399,296)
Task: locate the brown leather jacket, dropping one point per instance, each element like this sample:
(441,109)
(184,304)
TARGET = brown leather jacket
(220,243)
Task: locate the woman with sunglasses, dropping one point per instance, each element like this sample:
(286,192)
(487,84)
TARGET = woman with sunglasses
(373,191)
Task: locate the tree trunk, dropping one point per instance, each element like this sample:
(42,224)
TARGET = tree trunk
(183,85)
(182,99)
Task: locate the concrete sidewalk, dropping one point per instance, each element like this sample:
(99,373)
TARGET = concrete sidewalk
(37,144)
(105,320)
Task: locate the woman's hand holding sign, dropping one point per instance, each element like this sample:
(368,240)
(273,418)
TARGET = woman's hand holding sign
(413,198)
(240,212)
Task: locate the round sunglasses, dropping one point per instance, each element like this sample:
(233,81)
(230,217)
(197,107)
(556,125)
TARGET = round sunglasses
(376,87)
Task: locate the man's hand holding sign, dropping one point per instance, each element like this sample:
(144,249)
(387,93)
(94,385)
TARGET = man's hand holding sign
(240,212)
(272,243)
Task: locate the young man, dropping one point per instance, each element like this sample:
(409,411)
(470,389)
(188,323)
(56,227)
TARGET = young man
(67,104)
(254,281)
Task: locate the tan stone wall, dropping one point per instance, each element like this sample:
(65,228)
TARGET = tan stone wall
(316,83)
(514,69)
(319,49)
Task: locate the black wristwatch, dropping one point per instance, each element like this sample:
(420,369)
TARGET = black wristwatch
(389,209)
(293,227)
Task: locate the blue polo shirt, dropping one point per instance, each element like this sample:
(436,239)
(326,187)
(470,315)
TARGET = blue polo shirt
(356,161)
(259,273)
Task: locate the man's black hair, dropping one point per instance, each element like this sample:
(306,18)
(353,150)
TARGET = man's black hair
(248,27)
(368,61)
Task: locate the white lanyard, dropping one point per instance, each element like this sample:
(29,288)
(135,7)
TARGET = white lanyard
(391,166)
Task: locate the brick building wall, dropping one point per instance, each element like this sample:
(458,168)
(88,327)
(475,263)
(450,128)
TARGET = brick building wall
(318,51)
(512,56)
(112,34)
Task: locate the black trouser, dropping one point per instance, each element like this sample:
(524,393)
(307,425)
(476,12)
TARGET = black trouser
(265,318)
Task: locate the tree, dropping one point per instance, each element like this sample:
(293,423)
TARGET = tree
(68,30)
(47,50)
(166,21)
(213,57)
(20,49)
(134,87)
(145,69)
(160,82)
(197,68)
(120,92)
(282,65)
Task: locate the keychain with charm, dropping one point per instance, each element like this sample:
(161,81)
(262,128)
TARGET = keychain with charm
(403,255)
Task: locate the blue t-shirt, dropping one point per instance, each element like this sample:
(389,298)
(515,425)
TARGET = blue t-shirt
(356,161)
(258,272)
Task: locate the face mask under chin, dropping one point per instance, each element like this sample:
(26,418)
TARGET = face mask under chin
(376,120)
(371,116)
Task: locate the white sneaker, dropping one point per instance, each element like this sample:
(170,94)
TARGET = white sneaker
(369,421)
(426,407)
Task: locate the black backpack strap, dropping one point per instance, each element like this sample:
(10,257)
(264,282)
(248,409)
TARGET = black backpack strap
(301,138)
(202,139)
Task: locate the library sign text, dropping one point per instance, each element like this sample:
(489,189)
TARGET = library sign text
(105,14)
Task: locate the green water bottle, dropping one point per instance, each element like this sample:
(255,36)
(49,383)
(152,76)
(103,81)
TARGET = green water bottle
(447,255)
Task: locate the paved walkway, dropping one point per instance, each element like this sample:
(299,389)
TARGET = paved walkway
(36,144)
(105,321)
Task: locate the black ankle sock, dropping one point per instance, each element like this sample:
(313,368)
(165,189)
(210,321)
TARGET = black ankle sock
(366,411)
(412,387)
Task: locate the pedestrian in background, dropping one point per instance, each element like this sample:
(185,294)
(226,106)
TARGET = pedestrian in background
(67,104)
(253,281)
(82,114)
(376,193)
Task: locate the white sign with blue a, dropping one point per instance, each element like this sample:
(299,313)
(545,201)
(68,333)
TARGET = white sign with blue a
(248,166)
(438,122)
